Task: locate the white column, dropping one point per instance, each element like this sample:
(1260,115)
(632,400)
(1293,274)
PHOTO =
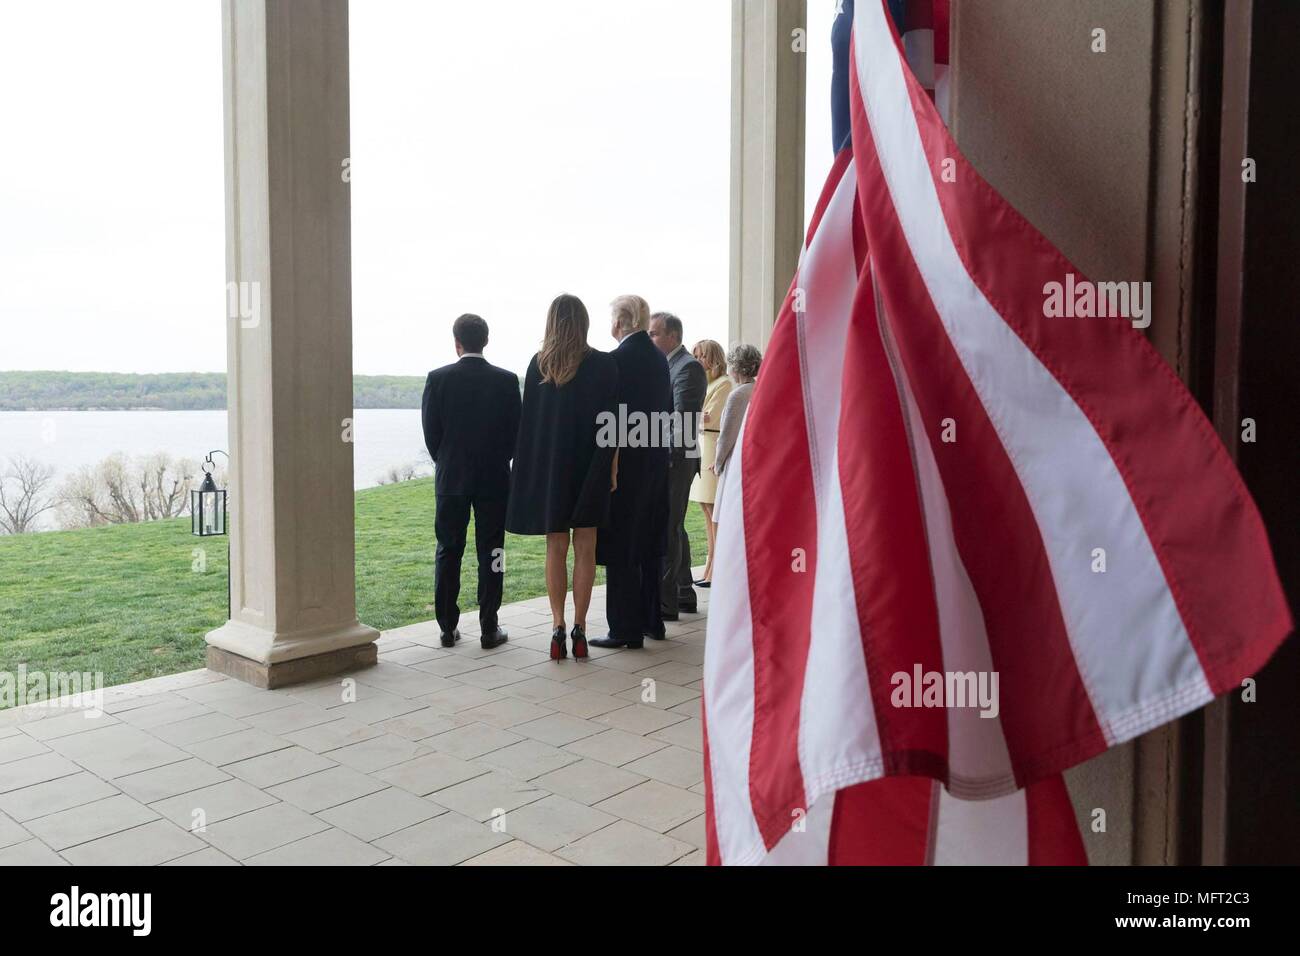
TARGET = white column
(288,250)
(768,70)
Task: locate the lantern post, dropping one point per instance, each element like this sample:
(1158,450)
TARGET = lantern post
(208,513)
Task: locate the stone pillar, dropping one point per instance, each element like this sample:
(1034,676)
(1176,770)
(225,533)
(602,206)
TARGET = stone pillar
(767,159)
(289,335)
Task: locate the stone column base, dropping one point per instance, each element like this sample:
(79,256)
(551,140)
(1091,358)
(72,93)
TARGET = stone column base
(299,670)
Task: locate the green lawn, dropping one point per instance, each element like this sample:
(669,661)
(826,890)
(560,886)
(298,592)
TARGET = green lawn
(128,600)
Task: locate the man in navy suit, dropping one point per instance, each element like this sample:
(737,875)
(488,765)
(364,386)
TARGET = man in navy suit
(631,546)
(470,414)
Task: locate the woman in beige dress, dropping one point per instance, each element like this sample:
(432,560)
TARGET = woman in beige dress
(705,487)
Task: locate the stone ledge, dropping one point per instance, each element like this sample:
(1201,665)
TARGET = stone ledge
(297,671)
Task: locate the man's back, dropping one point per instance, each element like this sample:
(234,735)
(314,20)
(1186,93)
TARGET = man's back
(638,521)
(689,383)
(471,416)
(644,387)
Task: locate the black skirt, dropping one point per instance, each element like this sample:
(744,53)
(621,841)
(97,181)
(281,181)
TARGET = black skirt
(560,478)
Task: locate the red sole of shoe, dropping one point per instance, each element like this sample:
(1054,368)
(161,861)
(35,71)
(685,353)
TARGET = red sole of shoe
(580,650)
(557,652)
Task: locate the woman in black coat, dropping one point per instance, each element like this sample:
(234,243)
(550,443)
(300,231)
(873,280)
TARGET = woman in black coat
(562,479)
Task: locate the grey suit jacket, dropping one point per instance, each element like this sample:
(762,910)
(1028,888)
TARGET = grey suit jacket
(689,385)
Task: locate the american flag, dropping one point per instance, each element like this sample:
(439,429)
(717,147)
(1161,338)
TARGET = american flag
(934,477)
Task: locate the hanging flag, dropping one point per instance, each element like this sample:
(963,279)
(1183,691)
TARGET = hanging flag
(976,530)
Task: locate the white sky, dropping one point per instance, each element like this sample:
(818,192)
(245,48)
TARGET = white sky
(502,153)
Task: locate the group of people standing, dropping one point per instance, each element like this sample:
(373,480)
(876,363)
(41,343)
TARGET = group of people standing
(614,495)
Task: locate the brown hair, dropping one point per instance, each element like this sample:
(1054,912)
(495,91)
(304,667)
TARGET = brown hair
(711,357)
(565,344)
(471,332)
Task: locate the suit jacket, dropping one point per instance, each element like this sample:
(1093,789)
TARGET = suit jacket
(470,414)
(689,383)
(638,520)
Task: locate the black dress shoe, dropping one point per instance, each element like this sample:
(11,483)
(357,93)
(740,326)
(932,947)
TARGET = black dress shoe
(668,615)
(701,583)
(656,636)
(449,640)
(609,640)
(495,639)
(693,609)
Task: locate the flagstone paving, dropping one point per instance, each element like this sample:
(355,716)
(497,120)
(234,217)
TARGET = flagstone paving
(434,756)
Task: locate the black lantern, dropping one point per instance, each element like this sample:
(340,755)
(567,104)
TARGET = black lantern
(208,511)
(208,505)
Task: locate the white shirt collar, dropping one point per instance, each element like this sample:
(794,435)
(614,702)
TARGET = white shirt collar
(471,355)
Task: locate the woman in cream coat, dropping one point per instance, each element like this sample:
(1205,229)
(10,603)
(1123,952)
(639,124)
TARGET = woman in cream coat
(709,354)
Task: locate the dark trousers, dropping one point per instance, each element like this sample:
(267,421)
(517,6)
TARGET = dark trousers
(450,527)
(632,599)
(676,589)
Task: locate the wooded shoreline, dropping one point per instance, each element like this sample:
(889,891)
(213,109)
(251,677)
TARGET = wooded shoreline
(48,391)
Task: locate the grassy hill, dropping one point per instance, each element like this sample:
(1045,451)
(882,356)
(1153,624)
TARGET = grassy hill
(178,391)
(127,601)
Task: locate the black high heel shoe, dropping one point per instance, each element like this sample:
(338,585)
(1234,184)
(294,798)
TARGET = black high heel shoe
(558,652)
(579,637)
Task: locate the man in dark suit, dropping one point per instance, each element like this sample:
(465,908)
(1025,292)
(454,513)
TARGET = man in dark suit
(689,382)
(631,546)
(471,415)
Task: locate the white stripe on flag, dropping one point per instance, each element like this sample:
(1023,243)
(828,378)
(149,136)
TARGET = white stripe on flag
(918,45)
(809,846)
(978,760)
(838,740)
(981,832)
(729,676)
(1131,649)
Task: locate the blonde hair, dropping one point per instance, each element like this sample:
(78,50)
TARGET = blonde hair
(631,312)
(565,344)
(711,357)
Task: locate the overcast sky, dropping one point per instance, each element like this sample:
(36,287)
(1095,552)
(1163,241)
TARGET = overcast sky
(501,153)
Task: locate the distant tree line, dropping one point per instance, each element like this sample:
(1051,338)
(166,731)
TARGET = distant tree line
(176,391)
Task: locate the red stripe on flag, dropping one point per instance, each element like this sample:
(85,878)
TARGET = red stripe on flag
(1202,523)
(941,18)
(842,160)
(780,517)
(888,556)
(1054,838)
(712,853)
(995,529)
(780,522)
(918,15)
(882,822)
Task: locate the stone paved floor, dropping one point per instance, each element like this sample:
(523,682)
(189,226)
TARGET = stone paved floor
(460,756)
